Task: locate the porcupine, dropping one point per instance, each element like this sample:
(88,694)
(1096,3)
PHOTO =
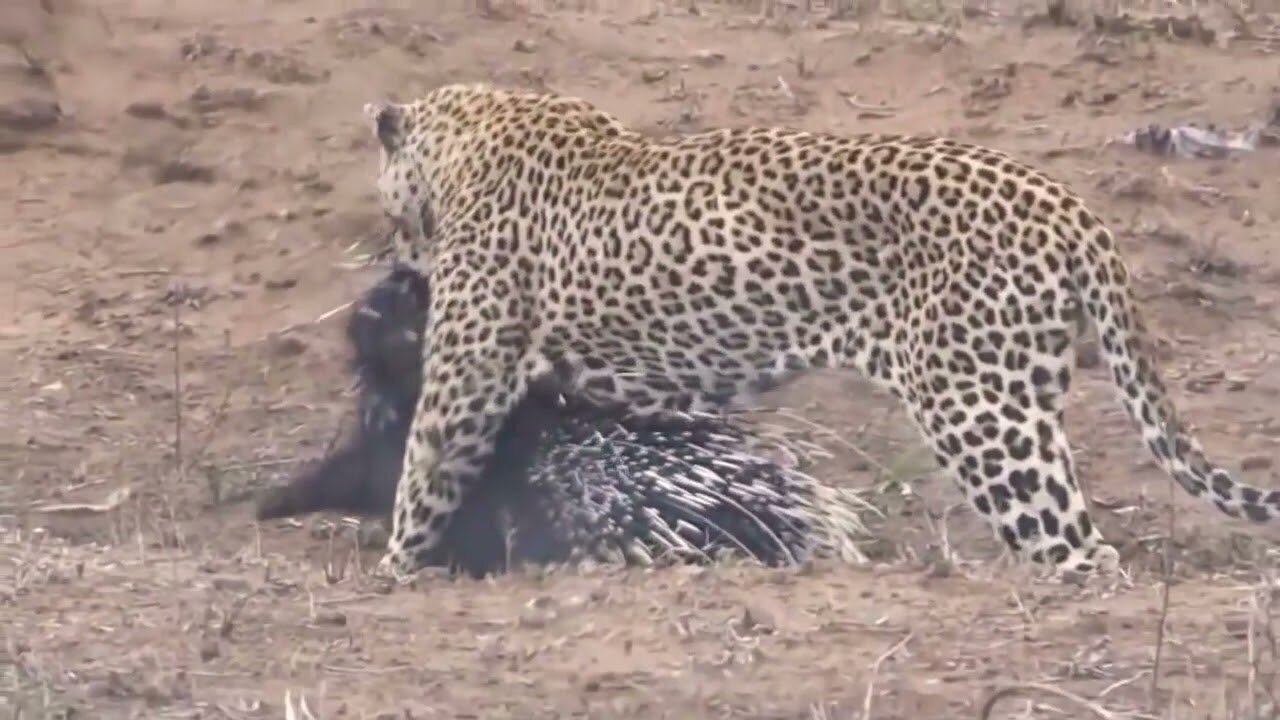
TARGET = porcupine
(569,480)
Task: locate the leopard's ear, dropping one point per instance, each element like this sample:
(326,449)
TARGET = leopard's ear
(386,120)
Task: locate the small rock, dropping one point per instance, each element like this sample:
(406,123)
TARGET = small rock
(319,187)
(1255,462)
(206,100)
(209,650)
(99,688)
(524,46)
(1134,187)
(233,584)
(653,75)
(757,620)
(228,226)
(223,228)
(1205,381)
(535,617)
(198,46)
(174,171)
(334,618)
(1167,235)
(146,110)
(30,114)
(286,346)
(1093,623)
(280,283)
(708,58)
(1237,627)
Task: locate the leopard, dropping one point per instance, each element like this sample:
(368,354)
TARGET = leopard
(671,272)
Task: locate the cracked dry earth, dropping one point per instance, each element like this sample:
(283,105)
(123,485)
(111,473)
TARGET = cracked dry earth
(198,171)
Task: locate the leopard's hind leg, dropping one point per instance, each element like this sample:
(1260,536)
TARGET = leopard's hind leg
(991,408)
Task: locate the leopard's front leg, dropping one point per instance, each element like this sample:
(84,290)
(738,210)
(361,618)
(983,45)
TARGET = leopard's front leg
(473,376)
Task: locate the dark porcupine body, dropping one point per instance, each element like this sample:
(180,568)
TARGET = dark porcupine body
(567,480)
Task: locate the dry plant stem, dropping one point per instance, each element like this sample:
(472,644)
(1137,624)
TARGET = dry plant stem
(177,387)
(875,670)
(1252,682)
(1013,690)
(1262,604)
(1121,683)
(180,469)
(1165,587)
(218,417)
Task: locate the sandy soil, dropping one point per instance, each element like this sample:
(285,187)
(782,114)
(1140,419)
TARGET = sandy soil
(189,182)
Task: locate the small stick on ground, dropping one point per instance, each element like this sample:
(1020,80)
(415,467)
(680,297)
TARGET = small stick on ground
(113,501)
(177,389)
(1013,690)
(306,323)
(1165,586)
(875,670)
(180,470)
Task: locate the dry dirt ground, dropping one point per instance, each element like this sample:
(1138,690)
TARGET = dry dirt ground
(188,184)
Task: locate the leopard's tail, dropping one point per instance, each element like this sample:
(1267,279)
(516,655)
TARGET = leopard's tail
(1105,292)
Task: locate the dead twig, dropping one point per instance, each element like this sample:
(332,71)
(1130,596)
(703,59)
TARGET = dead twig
(301,711)
(218,416)
(179,466)
(142,272)
(868,109)
(306,323)
(875,670)
(177,388)
(366,671)
(1012,690)
(1165,587)
(113,501)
